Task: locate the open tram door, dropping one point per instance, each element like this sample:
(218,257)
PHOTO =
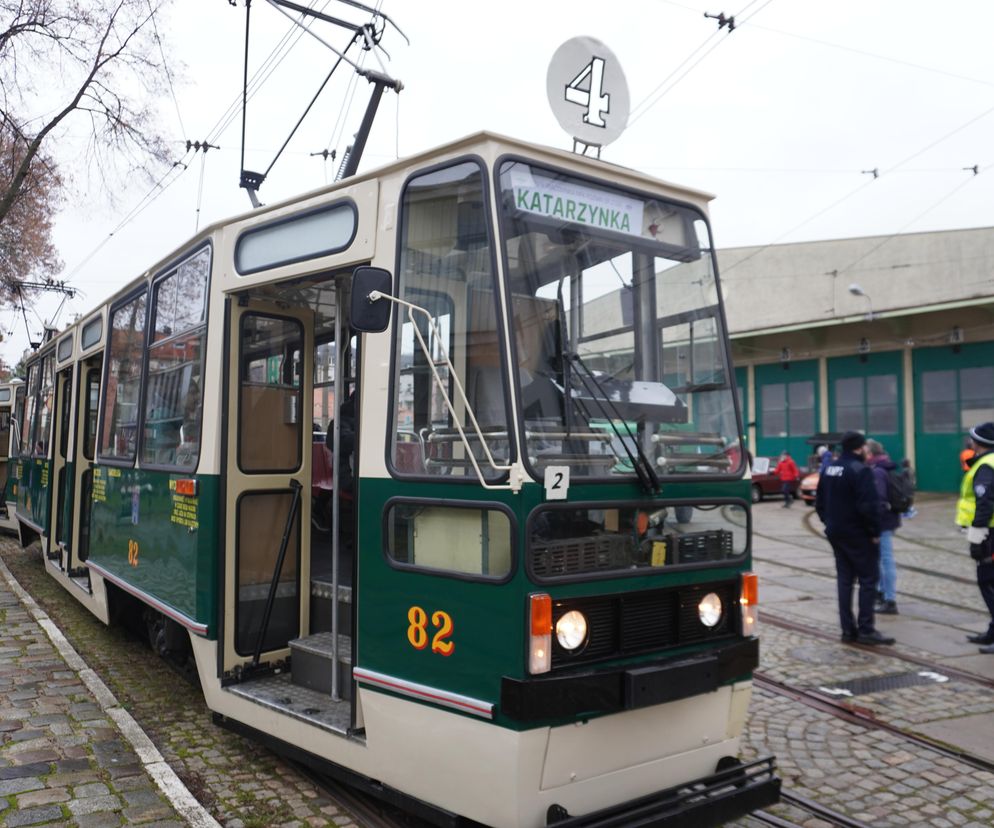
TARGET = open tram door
(267,479)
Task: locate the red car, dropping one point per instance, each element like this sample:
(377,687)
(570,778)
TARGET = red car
(764,482)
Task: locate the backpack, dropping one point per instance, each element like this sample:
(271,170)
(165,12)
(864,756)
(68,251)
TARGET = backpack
(900,491)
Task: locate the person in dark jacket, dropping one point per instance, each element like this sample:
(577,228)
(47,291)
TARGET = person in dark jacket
(975,513)
(881,464)
(848,505)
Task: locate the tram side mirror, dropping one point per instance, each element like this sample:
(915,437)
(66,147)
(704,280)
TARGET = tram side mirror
(366,315)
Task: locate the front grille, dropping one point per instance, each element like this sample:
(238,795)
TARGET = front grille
(643,622)
(569,556)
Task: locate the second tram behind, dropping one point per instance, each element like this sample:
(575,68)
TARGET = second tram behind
(436,475)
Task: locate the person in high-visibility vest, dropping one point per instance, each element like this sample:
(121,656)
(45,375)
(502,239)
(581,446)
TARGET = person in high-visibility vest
(975,513)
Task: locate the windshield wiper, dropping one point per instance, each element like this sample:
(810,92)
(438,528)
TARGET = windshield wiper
(641,464)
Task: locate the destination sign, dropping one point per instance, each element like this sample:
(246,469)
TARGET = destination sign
(572,202)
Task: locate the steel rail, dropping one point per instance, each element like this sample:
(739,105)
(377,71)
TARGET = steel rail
(810,806)
(945,669)
(866,718)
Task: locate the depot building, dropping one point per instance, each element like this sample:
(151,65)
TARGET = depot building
(889,335)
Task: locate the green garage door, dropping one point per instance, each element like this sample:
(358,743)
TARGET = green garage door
(954,390)
(786,408)
(867,396)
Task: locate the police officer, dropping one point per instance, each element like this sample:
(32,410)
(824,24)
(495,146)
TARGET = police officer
(848,504)
(975,512)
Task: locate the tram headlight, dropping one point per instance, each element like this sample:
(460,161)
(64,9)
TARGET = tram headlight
(709,610)
(571,630)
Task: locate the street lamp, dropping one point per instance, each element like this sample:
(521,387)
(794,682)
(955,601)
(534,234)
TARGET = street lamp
(857,290)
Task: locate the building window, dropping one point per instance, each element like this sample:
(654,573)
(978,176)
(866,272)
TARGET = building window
(867,404)
(954,400)
(788,409)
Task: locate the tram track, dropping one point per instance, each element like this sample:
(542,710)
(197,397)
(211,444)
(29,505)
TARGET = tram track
(809,806)
(366,809)
(865,718)
(890,652)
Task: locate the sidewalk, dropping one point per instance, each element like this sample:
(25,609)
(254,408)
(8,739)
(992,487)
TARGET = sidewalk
(69,753)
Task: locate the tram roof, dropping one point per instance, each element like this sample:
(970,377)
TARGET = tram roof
(498,144)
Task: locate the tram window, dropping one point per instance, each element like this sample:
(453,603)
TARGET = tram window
(446,268)
(565,541)
(122,394)
(92,404)
(4,395)
(65,412)
(44,412)
(296,239)
(91,333)
(174,397)
(270,409)
(180,298)
(65,348)
(34,372)
(469,541)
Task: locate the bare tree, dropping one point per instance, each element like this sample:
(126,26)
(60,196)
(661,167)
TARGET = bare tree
(62,61)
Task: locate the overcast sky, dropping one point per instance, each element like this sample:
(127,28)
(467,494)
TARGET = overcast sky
(779,118)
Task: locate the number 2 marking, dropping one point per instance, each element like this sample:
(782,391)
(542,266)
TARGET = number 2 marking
(558,481)
(596,102)
(417,631)
(439,645)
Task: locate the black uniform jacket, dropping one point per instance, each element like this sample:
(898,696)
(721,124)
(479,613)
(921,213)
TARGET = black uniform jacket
(847,499)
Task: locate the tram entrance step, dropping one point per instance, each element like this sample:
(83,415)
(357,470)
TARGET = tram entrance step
(312,661)
(322,606)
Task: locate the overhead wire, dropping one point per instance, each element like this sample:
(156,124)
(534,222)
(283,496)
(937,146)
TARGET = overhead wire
(676,75)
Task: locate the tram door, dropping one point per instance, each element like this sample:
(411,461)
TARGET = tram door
(268,475)
(6,414)
(61,517)
(86,438)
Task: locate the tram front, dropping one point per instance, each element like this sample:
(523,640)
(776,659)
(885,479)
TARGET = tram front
(577,431)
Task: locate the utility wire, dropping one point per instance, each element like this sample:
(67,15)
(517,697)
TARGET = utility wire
(907,224)
(165,67)
(143,204)
(645,105)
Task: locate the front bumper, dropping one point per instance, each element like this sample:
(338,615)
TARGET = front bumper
(608,691)
(711,800)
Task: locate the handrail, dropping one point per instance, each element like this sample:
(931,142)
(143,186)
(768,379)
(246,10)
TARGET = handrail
(273,585)
(376,295)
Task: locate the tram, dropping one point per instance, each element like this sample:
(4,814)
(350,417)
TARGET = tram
(11,395)
(436,475)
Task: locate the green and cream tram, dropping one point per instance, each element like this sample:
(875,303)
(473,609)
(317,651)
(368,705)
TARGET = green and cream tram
(436,475)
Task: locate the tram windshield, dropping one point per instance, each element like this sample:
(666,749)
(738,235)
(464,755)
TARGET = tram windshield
(622,365)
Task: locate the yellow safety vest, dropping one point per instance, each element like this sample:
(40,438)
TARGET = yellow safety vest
(966,506)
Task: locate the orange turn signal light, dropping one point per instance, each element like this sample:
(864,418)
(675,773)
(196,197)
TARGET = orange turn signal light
(541,613)
(750,589)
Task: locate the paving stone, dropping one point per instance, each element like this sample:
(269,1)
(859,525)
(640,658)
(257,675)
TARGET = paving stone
(43,797)
(92,804)
(91,789)
(16,786)
(32,816)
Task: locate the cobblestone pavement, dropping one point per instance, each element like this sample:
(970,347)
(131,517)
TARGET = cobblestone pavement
(872,775)
(241,784)
(64,759)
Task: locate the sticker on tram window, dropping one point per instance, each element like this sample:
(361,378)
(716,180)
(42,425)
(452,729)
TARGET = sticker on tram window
(418,634)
